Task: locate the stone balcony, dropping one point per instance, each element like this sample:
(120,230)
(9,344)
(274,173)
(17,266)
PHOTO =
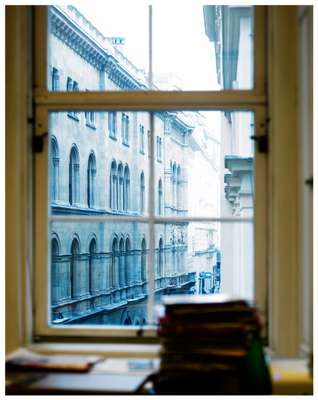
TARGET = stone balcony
(72,310)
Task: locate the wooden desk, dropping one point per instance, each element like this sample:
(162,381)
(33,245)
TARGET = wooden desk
(112,376)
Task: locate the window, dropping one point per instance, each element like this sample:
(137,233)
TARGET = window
(121,187)
(55,271)
(75,273)
(160,258)
(280,222)
(126,196)
(125,129)
(72,85)
(91,175)
(112,124)
(113,187)
(74,175)
(179,189)
(114,265)
(160,197)
(55,159)
(142,193)
(92,267)
(142,139)
(55,79)
(159,148)
(174,186)
(69,84)
(180,132)
(90,119)
(122,262)
(143,261)
(129,269)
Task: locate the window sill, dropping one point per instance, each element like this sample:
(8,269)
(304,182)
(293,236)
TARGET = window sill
(73,116)
(112,137)
(91,126)
(126,144)
(107,350)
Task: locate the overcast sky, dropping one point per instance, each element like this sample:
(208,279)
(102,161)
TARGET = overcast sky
(180,45)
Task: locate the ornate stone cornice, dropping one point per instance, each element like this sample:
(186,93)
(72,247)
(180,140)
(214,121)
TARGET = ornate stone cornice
(121,77)
(180,125)
(239,182)
(73,35)
(65,30)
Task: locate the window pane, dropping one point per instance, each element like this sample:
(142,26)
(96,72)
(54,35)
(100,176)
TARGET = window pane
(99,47)
(103,48)
(204,258)
(98,273)
(95,163)
(203,167)
(203,47)
(206,166)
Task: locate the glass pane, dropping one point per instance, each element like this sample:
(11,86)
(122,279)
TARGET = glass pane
(98,48)
(203,47)
(98,273)
(98,163)
(203,258)
(205,164)
(99,166)
(194,47)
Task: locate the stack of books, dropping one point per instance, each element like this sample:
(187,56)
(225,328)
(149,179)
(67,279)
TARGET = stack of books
(211,345)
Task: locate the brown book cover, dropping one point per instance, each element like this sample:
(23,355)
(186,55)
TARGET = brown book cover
(28,360)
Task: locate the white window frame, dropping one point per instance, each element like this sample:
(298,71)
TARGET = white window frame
(254,100)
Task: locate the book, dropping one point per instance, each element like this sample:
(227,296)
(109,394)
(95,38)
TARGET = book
(28,360)
(210,345)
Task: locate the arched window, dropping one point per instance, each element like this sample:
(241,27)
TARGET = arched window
(92,266)
(113,186)
(143,260)
(142,139)
(55,160)
(114,273)
(54,271)
(160,205)
(160,257)
(174,186)
(174,259)
(74,177)
(112,124)
(179,188)
(126,188)
(125,128)
(142,193)
(128,266)
(91,174)
(75,251)
(120,179)
(121,262)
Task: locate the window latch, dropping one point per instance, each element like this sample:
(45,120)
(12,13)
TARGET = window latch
(262,143)
(310,182)
(38,142)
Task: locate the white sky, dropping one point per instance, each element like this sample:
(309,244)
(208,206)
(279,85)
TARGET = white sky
(180,45)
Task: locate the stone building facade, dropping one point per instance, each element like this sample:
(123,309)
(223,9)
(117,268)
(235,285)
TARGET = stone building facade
(99,165)
(230,28)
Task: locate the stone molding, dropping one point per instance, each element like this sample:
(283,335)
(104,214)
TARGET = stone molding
(238,186)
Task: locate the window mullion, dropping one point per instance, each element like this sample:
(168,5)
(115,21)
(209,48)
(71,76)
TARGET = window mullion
(151,202)
(152,101)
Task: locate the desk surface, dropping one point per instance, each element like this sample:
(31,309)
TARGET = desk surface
(76,383)
(119,376)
